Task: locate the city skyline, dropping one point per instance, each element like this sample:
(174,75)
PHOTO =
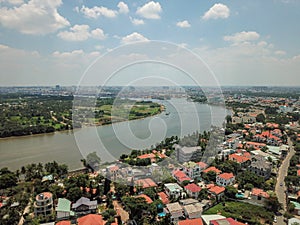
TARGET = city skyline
(54,42)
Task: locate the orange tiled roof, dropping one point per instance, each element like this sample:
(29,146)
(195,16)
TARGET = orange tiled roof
(163,197)
(202,165)
(146,197)
(298,172)
(212,168)
(197,221)
(181,176)
(64,222)
(226,176)
(91,219)
(259,192)
(217,190)
(193,188)
(238,158)
(146,183)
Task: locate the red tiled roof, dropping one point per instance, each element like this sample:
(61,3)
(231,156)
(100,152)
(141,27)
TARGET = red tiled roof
(238,158)
(163,197)
(146,183)
(208,186)
(193,188)
(152,156)
(212,168)
(197,221)
(298,172)
(255,143)
(272,125)
(91,219)
(181,176)
(226,176)
(147,156)
(202,165)
(240,145)
(113,168)
(259,192)
(146,197)
(217,190)
(64,222)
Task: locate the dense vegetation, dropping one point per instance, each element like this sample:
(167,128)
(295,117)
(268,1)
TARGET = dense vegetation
(34,114)
(243,212)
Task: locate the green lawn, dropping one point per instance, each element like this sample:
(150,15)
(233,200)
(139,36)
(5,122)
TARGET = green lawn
(242,211)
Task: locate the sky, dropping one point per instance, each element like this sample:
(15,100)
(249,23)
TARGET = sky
(49,42)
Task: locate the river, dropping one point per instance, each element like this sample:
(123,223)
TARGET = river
(180,118)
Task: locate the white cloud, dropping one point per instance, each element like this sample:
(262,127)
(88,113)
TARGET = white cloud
(217,11)
(123,8)
(243,36)
(134,37)
(13,2)
(97,11)
(137,21)
(98,34)
(280,52)
(150,10)
(81,33)
(34,17)
(183,24)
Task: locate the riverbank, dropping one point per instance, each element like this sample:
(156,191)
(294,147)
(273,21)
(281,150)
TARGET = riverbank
(161,109)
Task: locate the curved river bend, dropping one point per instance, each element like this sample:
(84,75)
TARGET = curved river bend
(181,118)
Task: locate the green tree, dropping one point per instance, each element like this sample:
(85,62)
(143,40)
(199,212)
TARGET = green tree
(74,194)
(260,118)
(230,191)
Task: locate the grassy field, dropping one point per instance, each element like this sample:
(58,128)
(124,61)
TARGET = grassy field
(243,212)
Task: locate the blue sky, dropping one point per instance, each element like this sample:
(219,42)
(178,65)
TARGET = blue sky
(48,42)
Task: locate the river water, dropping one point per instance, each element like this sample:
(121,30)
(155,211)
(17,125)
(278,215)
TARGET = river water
(180,118)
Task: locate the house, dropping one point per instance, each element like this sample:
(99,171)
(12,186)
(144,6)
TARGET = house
(240,158)
(216,191)
(91,219)
(188,201)
(152,156)
(213,169)
(146,197)
(43,204)
(145,183)
(254,145)
(225,221)
(225,179)
(293,221)
(297,207)
(180,176)
(84,206)
(259,194)
(63,209)
(207,218)
(175,210)
(185,154)
(173,190)
(163,197)
(192,169)
(193,211)
(192,190)
(261,167)
(197,221)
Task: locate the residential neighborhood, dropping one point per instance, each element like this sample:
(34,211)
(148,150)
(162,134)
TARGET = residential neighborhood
(253,178)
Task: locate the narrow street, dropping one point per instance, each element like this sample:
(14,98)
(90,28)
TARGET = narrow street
(280,187)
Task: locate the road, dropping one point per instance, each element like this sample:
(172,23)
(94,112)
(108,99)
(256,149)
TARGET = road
(280,187)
